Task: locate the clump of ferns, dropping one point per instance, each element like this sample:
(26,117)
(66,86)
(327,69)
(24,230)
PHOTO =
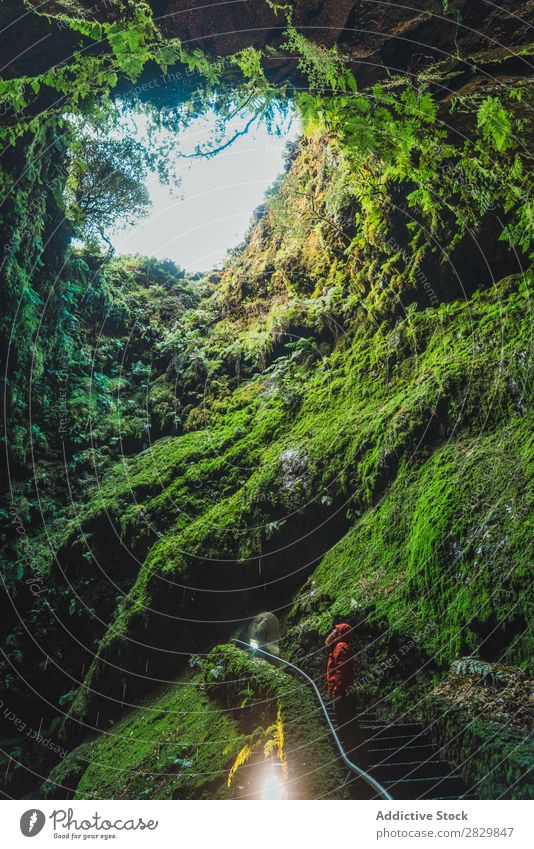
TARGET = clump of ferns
(270,739)
(474,666)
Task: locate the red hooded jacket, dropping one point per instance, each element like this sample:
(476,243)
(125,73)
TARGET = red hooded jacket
(340,668)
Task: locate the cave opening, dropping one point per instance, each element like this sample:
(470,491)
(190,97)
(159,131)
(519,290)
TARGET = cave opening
(219,178)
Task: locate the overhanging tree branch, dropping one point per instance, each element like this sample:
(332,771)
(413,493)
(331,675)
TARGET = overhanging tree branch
(198,153)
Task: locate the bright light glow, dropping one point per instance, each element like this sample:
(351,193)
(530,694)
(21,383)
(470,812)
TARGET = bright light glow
(254,644)
(274,784)
(210,213)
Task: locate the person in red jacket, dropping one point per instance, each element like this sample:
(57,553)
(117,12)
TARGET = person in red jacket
(340,684)
(340,666)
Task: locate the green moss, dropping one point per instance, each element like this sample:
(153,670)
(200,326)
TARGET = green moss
(443,555)
(177,745)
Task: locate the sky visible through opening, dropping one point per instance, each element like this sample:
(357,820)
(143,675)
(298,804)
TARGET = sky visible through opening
(196,224)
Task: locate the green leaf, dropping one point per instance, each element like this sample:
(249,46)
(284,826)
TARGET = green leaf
(495,123)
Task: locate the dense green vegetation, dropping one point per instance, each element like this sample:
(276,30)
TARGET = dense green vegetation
(338,424)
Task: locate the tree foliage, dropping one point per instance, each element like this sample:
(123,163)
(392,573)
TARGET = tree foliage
(105,187)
